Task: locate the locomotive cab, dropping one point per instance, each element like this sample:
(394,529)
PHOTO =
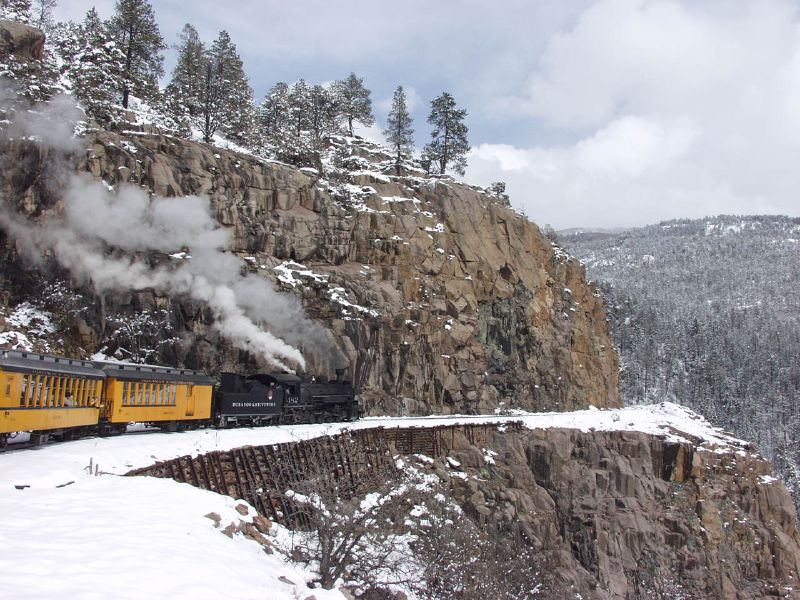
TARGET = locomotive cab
(254,400)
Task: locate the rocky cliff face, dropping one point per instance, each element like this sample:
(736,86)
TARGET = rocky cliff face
(640,503)
(626,514)
(441,298)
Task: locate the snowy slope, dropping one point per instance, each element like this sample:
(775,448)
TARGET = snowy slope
(103,536)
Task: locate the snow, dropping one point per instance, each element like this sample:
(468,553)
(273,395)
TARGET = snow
(559,253)
(118,455)
(338,295)
(395,199)
(289,271)
(293,274)
(378,177)
(28,325)
(129,147)
(133,538)
(143,537)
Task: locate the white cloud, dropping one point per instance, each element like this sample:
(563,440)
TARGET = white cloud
(628,56)
(630,146)
(675,108)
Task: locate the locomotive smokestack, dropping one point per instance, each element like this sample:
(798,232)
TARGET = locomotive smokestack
(340,375)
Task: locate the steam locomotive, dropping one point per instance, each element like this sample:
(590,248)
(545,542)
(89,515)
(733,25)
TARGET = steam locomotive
(65,398)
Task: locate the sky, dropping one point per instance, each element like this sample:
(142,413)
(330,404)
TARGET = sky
(596,114)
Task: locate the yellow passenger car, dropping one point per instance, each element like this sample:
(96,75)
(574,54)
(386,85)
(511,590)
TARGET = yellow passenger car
(47,395)
(172,399)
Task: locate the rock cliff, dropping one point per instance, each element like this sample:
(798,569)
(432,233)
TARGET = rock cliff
(646,502)
(626,514)
(441,298)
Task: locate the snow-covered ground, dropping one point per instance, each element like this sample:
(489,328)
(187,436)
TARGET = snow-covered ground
(66,532)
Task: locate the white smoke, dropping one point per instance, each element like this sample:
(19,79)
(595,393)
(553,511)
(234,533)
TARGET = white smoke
(52,123)
(98,230)
(95,220)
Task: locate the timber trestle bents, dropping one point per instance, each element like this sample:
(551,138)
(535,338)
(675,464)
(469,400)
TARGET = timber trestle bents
(352,461)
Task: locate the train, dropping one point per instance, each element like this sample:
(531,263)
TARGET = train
(61,398)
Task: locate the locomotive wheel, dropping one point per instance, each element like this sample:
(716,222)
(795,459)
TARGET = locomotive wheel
(3,440)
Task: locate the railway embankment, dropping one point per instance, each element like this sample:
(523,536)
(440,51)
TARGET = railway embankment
(619,512)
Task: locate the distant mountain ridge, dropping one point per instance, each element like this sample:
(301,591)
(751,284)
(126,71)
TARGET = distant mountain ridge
(706,312)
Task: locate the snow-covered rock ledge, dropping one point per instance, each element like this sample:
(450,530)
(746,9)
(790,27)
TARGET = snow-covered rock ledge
(140,448)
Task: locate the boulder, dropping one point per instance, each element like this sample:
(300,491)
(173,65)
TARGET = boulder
(24,42)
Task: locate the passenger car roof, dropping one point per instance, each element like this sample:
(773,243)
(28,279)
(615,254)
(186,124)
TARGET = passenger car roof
(31,362)
(136,372)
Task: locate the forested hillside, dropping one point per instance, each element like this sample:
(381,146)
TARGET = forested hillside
(707,313)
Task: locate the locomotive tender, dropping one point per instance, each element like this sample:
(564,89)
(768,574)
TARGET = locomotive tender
(66,398)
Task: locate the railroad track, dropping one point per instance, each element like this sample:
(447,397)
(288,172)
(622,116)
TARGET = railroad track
(390,422)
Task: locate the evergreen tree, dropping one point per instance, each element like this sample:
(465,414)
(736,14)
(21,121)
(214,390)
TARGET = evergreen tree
(353,101)
(226,98)
(233,95)
(449,145)
(185,92)
(42,14)
(398,130)
(16,10)
(274,114)
(322,118)
(300,107)
(93,64)
(134,28)
(209,89)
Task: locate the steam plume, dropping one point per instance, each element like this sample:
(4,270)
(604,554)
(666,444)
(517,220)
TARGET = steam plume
(95,221)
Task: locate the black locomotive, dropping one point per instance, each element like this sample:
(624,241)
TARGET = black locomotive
(281,398)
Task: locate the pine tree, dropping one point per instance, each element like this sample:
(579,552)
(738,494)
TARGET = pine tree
(449,145)
(323,114)
(274,117)
(300,107)
(42,14)
(134,28)
(209,89)
(93,64)
(16,10)
(398,130)
(226,100)
(184,93)
(234,96)
(353,101)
